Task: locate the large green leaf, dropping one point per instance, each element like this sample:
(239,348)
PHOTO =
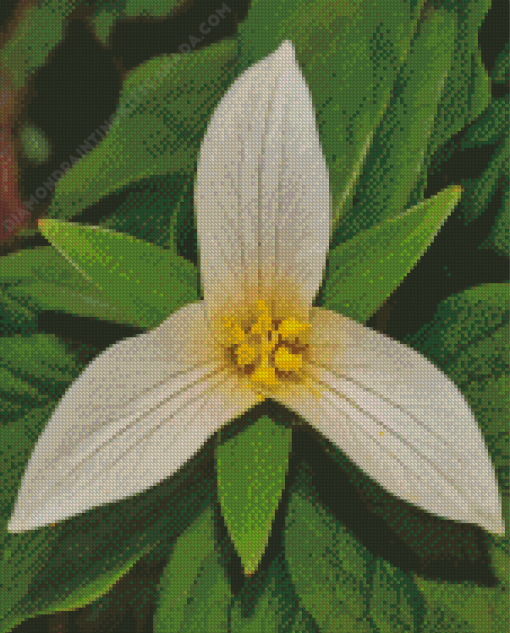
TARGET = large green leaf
(252,468)
(475,609)
(329,567)
(38,32)
(365,270)
(399,143)
(151,209)
(395,602)
(268,603)
(461,320)
(194,593)
(40,278)
(162,115)
(490,126)
(146,283)
(350,73)
(466,93)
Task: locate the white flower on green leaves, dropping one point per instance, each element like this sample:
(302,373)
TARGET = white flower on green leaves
(145,406)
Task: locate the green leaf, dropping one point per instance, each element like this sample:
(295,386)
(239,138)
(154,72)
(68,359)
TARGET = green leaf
(194,592)
(38,32)
(163,111)
(41,360)
(132,596)
(399,143)
(490,126)
(466,93)
(329,567)
(18,393)
(350,75)
(108,11)
(42,279)
(499,237)
(476,609)
(481,370)
(500,558)
(16,317)
(490,400)
(35,144)
(479,192)
(268,603)
(395,601)
(461,320)
(252,468)
(18,435)
(151,210)
(501,73)
(145,282)
(365,270)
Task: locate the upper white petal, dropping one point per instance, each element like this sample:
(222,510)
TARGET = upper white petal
(262,190)
(136,414)
(400,419)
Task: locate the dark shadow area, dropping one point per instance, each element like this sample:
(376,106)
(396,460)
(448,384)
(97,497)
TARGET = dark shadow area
(493,33)
(468,561)
(191,27)
(6,11)
(86,330)
(72,95)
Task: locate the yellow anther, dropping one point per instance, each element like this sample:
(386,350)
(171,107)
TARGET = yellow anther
(265,374)
(263,324)
(287,361)
(235,333)
(291,328)
(253,349)
(273,341)
(246,354)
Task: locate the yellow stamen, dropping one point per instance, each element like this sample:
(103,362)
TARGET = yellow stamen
(256,345)
(245,354)
(235,334)
(287,361)
(265,374)
(291,328)
(263,324)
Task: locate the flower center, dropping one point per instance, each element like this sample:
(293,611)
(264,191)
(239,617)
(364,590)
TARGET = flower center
(267,350)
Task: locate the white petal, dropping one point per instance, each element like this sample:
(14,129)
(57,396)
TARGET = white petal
(400,419)
(262,190)
(137,413)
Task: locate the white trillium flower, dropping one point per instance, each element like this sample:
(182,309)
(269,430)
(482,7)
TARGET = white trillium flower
(144,406)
